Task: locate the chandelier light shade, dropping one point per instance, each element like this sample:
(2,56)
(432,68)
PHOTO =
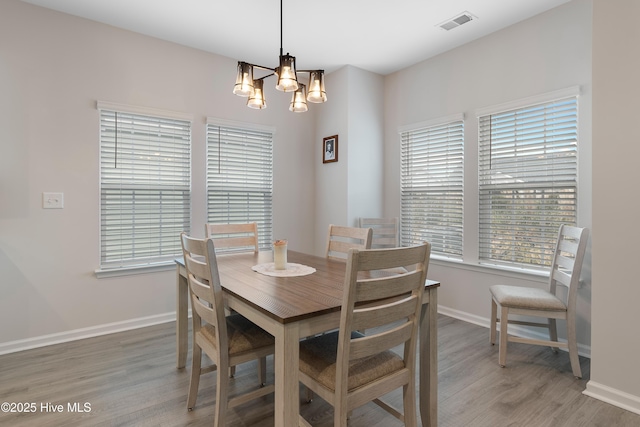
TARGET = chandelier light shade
(299,100)
(286,72)
(256,99)
(317,93)
(244,80)
(287,81)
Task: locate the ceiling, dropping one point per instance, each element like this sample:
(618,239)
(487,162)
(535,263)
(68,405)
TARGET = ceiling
(381,36)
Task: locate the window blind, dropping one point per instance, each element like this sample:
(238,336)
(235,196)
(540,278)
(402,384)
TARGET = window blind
(240,178)
(432,187)
(145,193)
(527,181)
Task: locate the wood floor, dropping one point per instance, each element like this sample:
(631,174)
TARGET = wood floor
(130,379)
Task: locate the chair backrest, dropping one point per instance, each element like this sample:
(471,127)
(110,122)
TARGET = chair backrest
(341,239)
(567,261)
(204,287)
(374,297)
(385,231)
(227,236)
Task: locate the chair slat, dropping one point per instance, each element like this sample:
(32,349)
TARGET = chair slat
(374,344)
(340,239)
(382,288)
(568,246)
(225,236)
(378,259)
(562,277)
(565,262)
(385,231)
(374,316)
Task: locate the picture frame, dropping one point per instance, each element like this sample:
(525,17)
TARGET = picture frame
(330,149)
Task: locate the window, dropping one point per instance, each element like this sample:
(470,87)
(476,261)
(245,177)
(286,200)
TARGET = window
(240,177)
(145,193)
(527,181)
(432,185)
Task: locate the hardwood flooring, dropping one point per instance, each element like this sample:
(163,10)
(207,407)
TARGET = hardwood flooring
(130,379)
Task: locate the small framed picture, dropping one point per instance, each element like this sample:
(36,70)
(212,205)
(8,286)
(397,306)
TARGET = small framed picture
(330,149)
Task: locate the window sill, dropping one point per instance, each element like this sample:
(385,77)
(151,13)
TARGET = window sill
(137,269)
(496,270)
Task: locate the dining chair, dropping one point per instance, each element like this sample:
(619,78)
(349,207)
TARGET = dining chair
(349,369)
(385,231)
(340,239)
(545,303)
(233,236)
(227,340)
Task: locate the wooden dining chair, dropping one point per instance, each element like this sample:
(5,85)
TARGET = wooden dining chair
(340,239)
(348,369)
(233,236)
(227,340)
(385,231)
(545,303)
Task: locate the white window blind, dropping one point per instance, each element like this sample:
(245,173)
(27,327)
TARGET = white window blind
(432,187)
(240,177)
(527,181)
(145,200)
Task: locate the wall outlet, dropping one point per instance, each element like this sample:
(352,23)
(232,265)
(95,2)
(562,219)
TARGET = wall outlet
(52,200)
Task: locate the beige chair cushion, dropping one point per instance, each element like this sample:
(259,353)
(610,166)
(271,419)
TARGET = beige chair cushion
(318,360)
(243,335)
(530,298)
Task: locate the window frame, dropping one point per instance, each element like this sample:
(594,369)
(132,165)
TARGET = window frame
(261,184)
(177,183)
(545,241)
(452,163)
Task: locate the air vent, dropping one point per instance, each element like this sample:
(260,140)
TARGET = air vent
(463,18)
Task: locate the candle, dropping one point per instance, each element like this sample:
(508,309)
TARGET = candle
(280,254)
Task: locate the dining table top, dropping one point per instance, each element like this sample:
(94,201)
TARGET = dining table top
(285,299)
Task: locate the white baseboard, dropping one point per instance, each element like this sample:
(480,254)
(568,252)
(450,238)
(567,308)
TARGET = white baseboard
(583,350)
(78,334)
(463,315)
(612,396)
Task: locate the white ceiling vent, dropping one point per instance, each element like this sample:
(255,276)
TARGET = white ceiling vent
(452,23)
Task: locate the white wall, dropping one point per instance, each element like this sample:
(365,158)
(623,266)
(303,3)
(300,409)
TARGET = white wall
(352,186)
(330,189)
(616,149)
(366,139)
(53,69)
(549,52)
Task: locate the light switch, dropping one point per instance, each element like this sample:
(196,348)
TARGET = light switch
(52,200)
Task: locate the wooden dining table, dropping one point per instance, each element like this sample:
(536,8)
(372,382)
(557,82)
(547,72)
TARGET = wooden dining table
(291,308)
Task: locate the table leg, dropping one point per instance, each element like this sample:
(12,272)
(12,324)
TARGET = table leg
(182,317)
(429,360)
(287,396)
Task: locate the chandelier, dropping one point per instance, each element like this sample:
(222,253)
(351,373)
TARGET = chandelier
(287,81)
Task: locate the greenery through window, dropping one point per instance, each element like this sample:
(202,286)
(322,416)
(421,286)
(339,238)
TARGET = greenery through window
(527,181)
